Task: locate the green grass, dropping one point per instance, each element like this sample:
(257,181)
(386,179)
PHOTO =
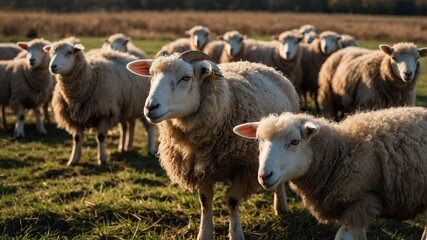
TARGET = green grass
(131,198)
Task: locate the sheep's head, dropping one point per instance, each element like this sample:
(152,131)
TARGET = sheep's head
(199,36)
(234,42)
(404,59)
(176,82)
(35,54)
(304,29)
(329,42)
(118,42)
(289,44)
(284,153)
(63,55)
(309,37)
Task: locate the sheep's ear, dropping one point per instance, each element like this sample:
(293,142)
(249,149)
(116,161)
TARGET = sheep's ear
(339,38)
(300,38)
(309,129)
(386,49)
(205,69)
(275,37)
(220,37)
(246,130)
(78,47)
(140,67)
(423,52)
(127,40)
(47,48)
(23,45)
(187,32)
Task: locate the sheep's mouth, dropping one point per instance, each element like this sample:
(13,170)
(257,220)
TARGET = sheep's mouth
(155,118)
(270,185)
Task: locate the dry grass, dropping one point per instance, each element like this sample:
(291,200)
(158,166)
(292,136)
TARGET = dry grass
(172,24)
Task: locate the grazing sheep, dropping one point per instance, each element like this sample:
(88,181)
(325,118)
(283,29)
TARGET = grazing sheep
(199,37)
(313,56)
(9,51)
(372,80)
(96,92)
(347,41)
(25,84)
(122,43)
(196,103)
(372,164)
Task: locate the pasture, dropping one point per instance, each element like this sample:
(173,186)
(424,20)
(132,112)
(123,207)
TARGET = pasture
(131,198)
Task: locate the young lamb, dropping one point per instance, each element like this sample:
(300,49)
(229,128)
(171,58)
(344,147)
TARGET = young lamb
(9,51)
(96,92)
(25,83)
(199,37)
(313,56)
(372,80)
(196,103)
(122,43)
(372,164)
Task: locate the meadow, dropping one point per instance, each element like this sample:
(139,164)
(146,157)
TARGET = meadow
(132,198)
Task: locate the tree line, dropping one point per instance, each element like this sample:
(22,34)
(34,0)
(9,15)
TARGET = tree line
(391,7)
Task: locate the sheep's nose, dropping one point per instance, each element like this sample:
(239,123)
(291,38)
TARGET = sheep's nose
(265,177)
(153,106)
(53,67)
(32,61)
(326,48)
(288,54)
(408,74)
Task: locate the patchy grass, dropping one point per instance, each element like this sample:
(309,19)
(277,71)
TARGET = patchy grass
(131,198)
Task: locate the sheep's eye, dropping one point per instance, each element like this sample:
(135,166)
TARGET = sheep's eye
(394,58)
(241,39)
(185,78)
(69,53)
(295,142)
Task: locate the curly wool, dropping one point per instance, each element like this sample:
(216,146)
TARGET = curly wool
(201,148)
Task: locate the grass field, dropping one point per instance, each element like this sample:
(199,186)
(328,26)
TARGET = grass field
(131,198)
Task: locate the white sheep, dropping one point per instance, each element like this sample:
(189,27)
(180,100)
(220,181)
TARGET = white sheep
(313,56)
(25,83)
(214,49)
(308,32)
(199,37)
(9,51)
(370,80)
(234,49)
(97,92)
(347,41)
(372,164)
(122,43)
(196,103)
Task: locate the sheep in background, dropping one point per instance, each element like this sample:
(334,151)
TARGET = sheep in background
(308,32)
(25,84)
(96,92)
(234,46)
(9,51)
(196,103)
(347,41)
(215,48)
(122,43)
(313,56)
(199,37)
(372,164)
(373,80)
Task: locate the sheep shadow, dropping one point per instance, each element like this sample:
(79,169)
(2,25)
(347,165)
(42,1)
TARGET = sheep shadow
(139,162)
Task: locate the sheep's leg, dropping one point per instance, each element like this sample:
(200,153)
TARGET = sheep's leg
(316,102)
(130,135)
(46,112)
(234,196)
(19,127)
(280,201)
(102,130)
(347,232)
(424,237)
(77,148)
(123,130)
(206,193)
(39,121)
(151,131)
(3,113)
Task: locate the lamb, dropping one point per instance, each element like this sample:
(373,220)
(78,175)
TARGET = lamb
(199,37)
(308,32)
(26,84)
(96,92)
(313,56)
(195,104)
(9,51)
(372,164)
(122,43)
(347,41)
(234,49)
(373,80)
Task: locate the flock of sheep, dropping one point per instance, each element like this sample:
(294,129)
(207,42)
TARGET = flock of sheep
(208,97)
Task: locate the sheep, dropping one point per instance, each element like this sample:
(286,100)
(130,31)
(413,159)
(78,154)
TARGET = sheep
(96,92)
(122,43)
(234,48)
(199,37)
(313,56)
(308,32)
(347,41)
(372,164)
(195,104)
(372,80)
(25,84)
(214,49)
(9,51)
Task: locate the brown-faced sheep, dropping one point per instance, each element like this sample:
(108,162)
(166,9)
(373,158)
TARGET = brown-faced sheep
(122,43)
(199,37)
(196,103)
(370,79)
(313,56)
(96,93)
(25,83)
(372,164)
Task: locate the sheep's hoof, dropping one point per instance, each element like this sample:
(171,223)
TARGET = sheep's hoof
(19,136)
(102,162)
(72,163)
